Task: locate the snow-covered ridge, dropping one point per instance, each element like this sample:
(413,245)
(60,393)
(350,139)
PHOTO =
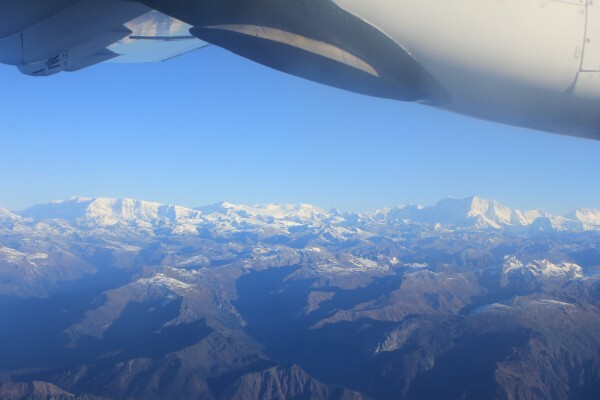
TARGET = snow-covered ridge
(226,218)
(483,213)
(268,212)
(106,212)
(6,215)
(162,281)
(542,268)
(590,217)
(13,256)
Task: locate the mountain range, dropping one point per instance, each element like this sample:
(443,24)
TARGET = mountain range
(473,212)
(467,299)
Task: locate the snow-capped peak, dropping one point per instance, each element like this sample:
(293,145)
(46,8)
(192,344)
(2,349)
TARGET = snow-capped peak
(490,209)
(472,210)
(481,213)
(275,211)
(160,280)
(470,213)
(106,212)
(590,217)
(541,268)
(5,214)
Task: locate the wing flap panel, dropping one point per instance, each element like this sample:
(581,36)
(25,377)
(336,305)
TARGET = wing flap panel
(75,25)
(92,31)
(86,54)
(155,37)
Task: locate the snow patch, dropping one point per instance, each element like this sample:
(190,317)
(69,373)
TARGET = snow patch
(543,268)
(163,281)
(313,249)
(12,255)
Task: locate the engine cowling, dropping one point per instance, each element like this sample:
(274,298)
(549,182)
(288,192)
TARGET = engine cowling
(312,39)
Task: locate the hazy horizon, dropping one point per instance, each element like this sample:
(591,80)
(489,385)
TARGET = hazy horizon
(210,126)
(195,206)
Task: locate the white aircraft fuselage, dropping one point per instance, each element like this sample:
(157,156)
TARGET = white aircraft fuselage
(527,63)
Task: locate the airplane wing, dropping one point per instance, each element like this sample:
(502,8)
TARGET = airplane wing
(44,37)
(511,62)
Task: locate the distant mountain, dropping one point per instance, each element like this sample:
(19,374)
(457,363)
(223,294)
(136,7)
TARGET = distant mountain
(5,213)
(473,212)
(107,212)
(478,213)
(589,217)
(466,299)
(38,390)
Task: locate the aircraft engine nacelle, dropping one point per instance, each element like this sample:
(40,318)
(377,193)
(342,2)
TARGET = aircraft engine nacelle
(312,39)
(529,63)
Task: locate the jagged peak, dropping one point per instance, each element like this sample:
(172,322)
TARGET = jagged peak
(472,212)
(276,211)
(585,215)
(106,211)
(473,205)
(6,214)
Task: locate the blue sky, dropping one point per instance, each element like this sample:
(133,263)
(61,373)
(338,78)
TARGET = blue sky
(209,127)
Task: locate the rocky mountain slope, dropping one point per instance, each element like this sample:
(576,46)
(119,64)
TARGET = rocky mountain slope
(469,299)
